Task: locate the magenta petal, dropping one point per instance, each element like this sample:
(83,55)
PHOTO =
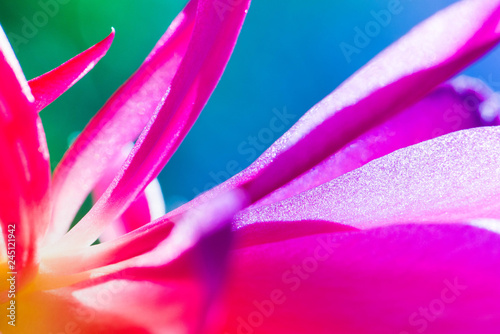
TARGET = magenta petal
(268,232)
(49,86)
(213,39)
(437,279)
(119,122)
(400,76)
(153,245)
(147,207)
(185,271)
(463,103)
(450,178)
(24,171)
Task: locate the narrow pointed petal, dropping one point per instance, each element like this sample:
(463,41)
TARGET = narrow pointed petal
(401,75)
(179,281)
(147,207)
(119,122)
(24,171)
(49,86)
(450,178)
(436,279)
(153,245)
(213,39)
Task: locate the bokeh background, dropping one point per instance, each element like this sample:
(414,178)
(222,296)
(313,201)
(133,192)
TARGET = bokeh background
(288,58)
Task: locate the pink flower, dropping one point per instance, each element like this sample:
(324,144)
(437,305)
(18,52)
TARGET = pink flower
(162,278)
(363,221)
(360,219)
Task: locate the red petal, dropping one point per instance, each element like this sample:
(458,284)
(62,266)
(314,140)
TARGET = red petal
(49,86)
(147,207)
(24,171)
(118,123)
(211,45)
(178,282)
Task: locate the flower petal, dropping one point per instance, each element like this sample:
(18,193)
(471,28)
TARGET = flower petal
(268,232)
(450,178)
(49,86)
(179,281)
(213,39)
(461,104)
(147,207)
(119,122)
(24,171)
(176,307)
(401,75)
(148,246)
(399,279)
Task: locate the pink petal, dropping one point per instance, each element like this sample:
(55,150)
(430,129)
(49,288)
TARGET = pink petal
(463,103)
(49,86)
(268,232)
(436,279)
(401,75)
(148,206)
(178,282)
(24,171)
(119,122)
(450,178)
(212,42)
(170,307)
(154,245)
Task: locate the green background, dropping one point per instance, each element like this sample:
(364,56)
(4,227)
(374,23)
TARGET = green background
(288,56)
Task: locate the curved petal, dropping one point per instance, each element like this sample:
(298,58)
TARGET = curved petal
(211,45)
(154,245)
(269,232)
(401,75)
(178,282)
(119,122)
(436,279)
(25,170)
(49,86)
(450,178)
(463,103)
(147,207)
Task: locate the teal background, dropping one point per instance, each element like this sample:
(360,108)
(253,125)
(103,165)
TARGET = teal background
(288,57)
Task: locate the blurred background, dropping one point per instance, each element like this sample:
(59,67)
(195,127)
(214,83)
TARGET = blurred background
(289,56)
